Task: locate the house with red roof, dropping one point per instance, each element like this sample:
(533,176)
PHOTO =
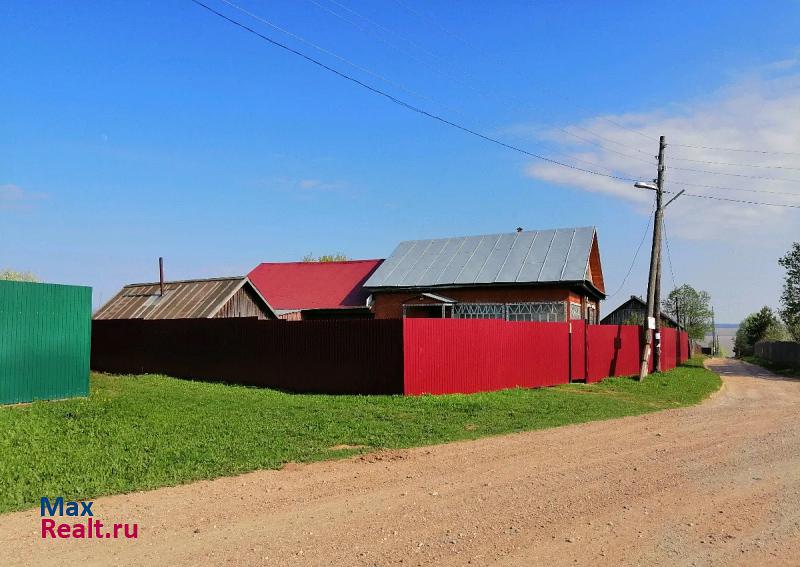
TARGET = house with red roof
(302,291)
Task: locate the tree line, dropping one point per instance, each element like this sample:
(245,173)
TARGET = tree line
(768,324)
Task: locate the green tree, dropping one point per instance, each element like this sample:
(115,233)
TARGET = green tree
(790,298)
(338,257)
(692,308)
(18,276)
(762,325)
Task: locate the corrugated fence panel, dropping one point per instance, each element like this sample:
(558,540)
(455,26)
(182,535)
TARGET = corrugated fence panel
(335,357)
(615,350)
(464,356)
(44,341)
(779,352)
(669,348)
(579,350)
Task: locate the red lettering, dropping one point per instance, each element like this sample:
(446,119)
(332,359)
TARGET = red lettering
(134,532)
(79,531)
(117,527)
(97,525)
(64,530)
(47,526)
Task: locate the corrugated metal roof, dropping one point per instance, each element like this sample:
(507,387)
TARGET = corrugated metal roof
(186,299)
(534,256)
(314,285)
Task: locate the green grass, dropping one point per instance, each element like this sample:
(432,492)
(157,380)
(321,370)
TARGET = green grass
(781,369)
(141,432)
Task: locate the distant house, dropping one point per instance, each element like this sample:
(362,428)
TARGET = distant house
(188,299)
(541,275)
(633,312)
(316,290)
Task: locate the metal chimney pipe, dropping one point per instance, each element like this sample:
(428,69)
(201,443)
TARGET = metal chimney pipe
(161,274)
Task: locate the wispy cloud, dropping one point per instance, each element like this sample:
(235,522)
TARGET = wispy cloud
(15,198)
(318,185)
(760,112)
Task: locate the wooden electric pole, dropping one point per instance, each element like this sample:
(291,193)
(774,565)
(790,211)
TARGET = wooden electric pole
(713,334)
(653,281)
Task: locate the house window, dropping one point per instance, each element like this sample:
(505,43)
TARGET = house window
(575,311)
(591,314)
(542,311)
(479,311)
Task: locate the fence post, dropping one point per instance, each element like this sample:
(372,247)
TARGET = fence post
(569,352)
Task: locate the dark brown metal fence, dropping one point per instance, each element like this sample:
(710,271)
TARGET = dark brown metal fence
(779,352)
(333,357)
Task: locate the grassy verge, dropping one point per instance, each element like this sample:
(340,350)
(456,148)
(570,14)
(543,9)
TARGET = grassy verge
(141,432)
(781,369)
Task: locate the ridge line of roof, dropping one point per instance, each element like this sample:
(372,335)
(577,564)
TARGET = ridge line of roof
(195,280)
(315,263)
(501,233)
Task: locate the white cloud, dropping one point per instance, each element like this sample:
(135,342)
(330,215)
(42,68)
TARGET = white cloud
(318,185)
(760,112)
(15,198)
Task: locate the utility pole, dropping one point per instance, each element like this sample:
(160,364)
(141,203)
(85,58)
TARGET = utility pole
(653,284)
(713,333)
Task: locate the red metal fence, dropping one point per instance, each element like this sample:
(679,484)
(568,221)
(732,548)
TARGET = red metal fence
(445,356)
(413,356)
(332,357)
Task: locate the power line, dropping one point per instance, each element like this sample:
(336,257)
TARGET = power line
(328,51)
(636,254)
(766,152)
(404,104)
(736,164)
(739,200)
(783,179)
(450,123)
(745,190)
(481,91)
(669,253)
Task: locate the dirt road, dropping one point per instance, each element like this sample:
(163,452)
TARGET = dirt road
(716,484)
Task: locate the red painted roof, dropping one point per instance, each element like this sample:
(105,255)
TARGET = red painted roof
(314,285)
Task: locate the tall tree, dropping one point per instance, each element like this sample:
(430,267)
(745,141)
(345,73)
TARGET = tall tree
(13,275)
(790,298)
(692,308)
(762,325)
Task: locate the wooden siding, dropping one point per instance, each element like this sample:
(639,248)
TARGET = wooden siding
(243,303)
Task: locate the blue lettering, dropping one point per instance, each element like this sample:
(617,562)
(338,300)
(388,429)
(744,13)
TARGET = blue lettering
(58,506)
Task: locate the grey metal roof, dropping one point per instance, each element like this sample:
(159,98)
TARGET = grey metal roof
(534,256)
(186,299)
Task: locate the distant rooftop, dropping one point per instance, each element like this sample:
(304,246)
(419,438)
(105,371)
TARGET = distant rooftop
(182,299)
(314,285)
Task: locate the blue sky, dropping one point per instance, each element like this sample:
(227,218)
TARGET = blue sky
(133,130)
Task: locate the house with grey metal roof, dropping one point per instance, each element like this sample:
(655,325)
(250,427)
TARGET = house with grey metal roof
(188,299)
(536,275)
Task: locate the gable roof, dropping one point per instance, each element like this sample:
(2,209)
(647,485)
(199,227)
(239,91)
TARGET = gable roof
(183,299)
(639,304)
(534,256)
(314,285)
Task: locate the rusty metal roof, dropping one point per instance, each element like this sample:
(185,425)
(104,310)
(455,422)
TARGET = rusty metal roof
(185,299)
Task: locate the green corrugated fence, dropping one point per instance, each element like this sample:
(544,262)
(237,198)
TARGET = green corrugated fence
(45,341)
